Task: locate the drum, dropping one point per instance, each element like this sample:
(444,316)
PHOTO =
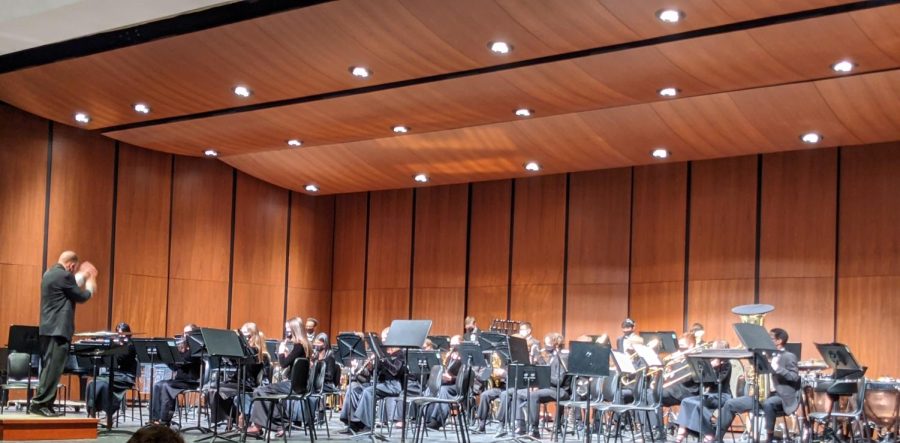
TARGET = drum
(882,405)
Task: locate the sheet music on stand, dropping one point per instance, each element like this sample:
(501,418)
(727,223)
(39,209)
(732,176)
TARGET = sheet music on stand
(623,363)
(648,355)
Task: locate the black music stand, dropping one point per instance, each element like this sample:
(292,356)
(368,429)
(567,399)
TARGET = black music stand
(441,342)
(843,365)
(757,340)
(152,351)
(420,362)
(221,343)
(406,335)
(350,346)
(197,346)
(25,339)
(668,340)
(706,374)
(588,359)
(494,341)
(520,372)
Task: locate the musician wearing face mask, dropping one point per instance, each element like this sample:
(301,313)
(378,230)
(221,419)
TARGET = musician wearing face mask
(436,414)
(692,416)
(534,345)
(542,355)
(627,332)
(322,352)
(471,329)
(256,370)
(551,353)
(295,349)
(389,384)
(123,377)
(312,330)
(187,376)
(786,396)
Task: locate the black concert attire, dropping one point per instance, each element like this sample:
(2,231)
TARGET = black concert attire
(187,376)
(620,342)
(260,410)
(224,401)
(59,294)
(691,414)
(541,396)
(436,414)
(784,401)
(126,367)
(488,396)
(362,402)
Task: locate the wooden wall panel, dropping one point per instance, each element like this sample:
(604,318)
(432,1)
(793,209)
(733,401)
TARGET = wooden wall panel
(201,244)
(350,222)
(598,250)
(869,256)
(23,188)
(309,266)
(260,254)
(796,260)
(439,268)
(722,242)
(142,239)
(389,258)
(81,211)
(489,239)
(657,246)
(539,252)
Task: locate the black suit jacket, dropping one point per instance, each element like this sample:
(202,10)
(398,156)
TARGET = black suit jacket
(787,382)
(59,293)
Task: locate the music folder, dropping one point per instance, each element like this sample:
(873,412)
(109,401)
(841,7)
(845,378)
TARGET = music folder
(588,359)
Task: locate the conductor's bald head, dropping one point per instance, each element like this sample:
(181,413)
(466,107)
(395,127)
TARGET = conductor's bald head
(69,260)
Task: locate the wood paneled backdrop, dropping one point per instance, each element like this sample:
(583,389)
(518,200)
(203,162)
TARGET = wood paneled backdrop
(179,239)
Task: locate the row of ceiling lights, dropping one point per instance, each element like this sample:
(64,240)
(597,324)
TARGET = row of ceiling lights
(670,16)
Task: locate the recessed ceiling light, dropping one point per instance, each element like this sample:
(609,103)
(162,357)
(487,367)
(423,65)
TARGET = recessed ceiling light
(532,167)
(359,71)
(811,138)
(524,112)
(500,47)
(670,15)
(400,129)
(660,153)
(421,178)
(843,66)
(81,117)
(311,188)
(242,91)
(141,108)
(211,153)
(668,92)
(294,142)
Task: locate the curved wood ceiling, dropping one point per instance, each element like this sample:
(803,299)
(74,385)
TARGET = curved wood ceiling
(748,88)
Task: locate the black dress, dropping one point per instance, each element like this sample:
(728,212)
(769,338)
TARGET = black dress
(97,397)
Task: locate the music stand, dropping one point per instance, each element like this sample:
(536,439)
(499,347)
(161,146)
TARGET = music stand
(757,340)
(794,348)
(588,359)
(153,351)
(493,341)
(668,340)
(197,346)
(350,346)
(648,355)
(25,339)
(702,368)
(472,354)
(221,343)
(406,335)
(843,365)
(441,342)
(518,351)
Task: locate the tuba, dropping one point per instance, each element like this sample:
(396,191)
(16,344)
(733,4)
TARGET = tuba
(755,315)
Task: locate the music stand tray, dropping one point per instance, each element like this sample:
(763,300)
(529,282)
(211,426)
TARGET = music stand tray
(518,351)
(421,362)
(407,333)
(350,346)
(530,376)
(472,354)
(839,358)
(441,342)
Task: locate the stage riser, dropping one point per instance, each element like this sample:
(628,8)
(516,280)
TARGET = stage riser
(33,428)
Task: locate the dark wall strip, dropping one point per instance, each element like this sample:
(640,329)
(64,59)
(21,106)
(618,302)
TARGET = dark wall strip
(512,236)
(759,188)
(234,184)
(566,254)
(287,255)
(412,255)
(732,27)
(332,332)
(112,243)
(366,260)
(837,239)
(630,242)
(47,195)
(468,249)
(143,33)
(687,248)
(169,253)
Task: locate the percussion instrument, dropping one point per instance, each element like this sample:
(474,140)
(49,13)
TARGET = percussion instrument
(882,404)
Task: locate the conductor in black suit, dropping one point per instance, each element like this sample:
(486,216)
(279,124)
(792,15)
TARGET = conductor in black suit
(61,289)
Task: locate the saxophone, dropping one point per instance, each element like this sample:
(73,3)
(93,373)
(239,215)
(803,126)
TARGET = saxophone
(495,381)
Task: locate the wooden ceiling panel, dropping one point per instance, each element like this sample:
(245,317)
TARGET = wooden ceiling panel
(719,125)
(882,29)
(307,51)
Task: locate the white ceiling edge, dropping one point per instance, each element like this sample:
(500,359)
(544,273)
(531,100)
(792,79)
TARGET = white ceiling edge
(26,24)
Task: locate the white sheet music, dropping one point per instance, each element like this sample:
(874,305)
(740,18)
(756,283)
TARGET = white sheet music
(647,354)
(623,362)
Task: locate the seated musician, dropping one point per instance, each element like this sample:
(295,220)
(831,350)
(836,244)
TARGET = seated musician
(627,332)
(389,384)
(783,401)
(679,384)
(123,378)
(295,348)
(694,417)
(495,373)
(553,344)
(520,395)
(187,376)
(226,400)
(436,414)
(358,377)
(322,352)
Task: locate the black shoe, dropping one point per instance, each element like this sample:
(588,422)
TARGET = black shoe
(501,433)
(43,411)
(434,425)
(536,434)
